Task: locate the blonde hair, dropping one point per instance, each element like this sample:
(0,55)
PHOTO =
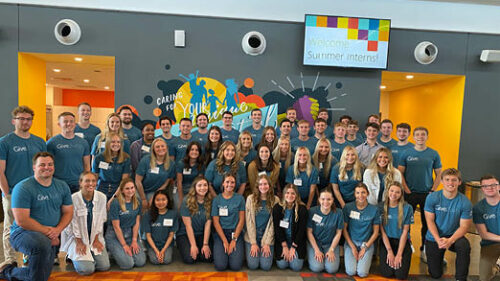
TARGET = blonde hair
(389,174)
(220,161)
(277,152)
(121,198)
(296,171)
(297,202)
(122,155)
(154,157)
(256,201)
(357,167)
(106,132)
(328,161)
(192,202)
(400,205)
(239,146)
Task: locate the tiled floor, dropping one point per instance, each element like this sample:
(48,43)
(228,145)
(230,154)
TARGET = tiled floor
(417,266)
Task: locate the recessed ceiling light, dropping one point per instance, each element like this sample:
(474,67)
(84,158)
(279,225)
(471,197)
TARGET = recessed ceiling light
(382,87)
(78,59)
(86,80)
(56,70)
(107,88)
(409,76)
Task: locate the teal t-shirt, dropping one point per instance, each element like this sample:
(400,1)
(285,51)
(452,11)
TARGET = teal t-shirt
(231,207)
(419,166)
(397,151)
(484,213)
(161,227)
(392,227)
(44,202)
(98,146)
(170,145)
(338,148)
(201,138)
(288,218)
(180,146)
(256,134)
(154,178)
(18,154)
(324,226)
(262,216)
(189,173)
(310,144)
(110,172)
(87,134)
(215,178)
(448,212)
(230,135)
(132,134)
(360,222)
(249,157)
(388,144)
(198,220)
(68,154)
(127,218)
(346,186)
(357,141)
(303,181)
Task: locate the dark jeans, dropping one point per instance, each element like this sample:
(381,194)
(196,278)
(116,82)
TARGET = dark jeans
(107,188)
(385,269)
(184,248)
(221,259)
(415,199)
(435,258)
(40,252)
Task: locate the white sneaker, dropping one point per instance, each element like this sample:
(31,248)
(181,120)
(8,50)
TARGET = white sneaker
(423,256)
(445,262)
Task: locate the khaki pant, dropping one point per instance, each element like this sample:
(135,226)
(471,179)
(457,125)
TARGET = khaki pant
(8,251)
(488,259)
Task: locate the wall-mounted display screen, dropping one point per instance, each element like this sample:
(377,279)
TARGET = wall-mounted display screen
(346,41)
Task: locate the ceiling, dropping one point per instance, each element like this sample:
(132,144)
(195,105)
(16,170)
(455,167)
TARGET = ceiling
(98,70)
(398,80)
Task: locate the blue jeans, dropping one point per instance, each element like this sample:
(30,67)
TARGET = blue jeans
(316,266)
(361,267)
(296,264)
(123,260)
(40,252)
(221,259)
(100,263)
(253,262)
(108,188)
(166,259)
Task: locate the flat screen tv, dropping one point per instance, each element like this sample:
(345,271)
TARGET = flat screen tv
(346,41)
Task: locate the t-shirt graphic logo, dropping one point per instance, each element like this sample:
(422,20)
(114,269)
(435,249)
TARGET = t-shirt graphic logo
(19,148)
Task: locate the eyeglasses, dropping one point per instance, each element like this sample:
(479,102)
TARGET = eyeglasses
(490,185)
(23,119)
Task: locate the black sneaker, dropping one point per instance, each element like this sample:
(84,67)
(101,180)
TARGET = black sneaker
(6,267)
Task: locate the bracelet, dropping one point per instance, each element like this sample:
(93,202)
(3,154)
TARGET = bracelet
(205,244)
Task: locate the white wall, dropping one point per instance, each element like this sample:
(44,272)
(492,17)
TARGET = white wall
(410,14)
(99,115)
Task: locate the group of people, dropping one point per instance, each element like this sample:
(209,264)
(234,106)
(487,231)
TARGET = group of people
(221,196)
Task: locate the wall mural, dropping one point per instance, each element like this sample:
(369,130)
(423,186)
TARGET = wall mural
(193,93)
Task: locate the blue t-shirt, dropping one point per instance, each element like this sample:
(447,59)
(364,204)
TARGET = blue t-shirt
(448,212)
(68,154)
(180,146)
(18,154)
(90,214)
(215,178)
(310,144)
(302,181)
(230,135)
(161,227)
(87,134)
(132,134)
(357,141)
(484,213)
(328,132)
(338,148)
(110,172)
(397,151)
(288,218)
(188,174)
(127,218)
(170,144)
(231,206)
(199,137)
(249,157)
(44,202)
(419,166)
(382,187)
(262,215)
(392,227)
(360,222)
(324,180)
(347,186)
(198,220)
(98,146)
(388,144)
(154,178)
(324,226)
(256,134)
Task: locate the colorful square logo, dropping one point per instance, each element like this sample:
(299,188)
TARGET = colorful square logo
(364,24)
(342,22)
(321,21)
(353,23)
(372,46)
(352,34)
(372,35)
(374,24)
(310,20)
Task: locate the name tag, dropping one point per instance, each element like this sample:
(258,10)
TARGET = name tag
(223,212)
(103,165)
(317,218)
(168,222)
(354,215)
(297,182)
(103,144)
(284,224)
(281,166)
(174,190)
(81,212)
(145,148)
(212,155)
(186,171)
(262,174)
(79,135)
(244,163)
(321,165)
(155,170)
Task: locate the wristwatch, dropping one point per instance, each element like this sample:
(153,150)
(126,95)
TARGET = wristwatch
(235,239)
(363,245)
